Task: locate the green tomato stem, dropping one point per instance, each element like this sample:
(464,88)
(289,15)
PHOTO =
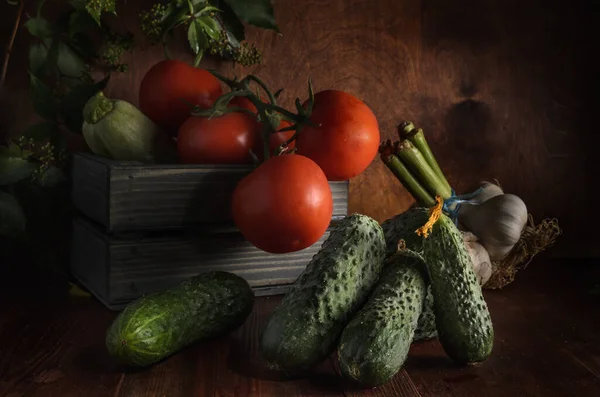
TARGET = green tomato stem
(281,148)
(406,178)
(407,130)
(97,107)
(262,85)
(412,157)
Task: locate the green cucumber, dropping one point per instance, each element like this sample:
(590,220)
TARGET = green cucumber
(375,344)
(426,328)
(403,227)
(304,328)
(158,325)
(462,317)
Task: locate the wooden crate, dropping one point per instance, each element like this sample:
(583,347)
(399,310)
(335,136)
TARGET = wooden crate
(129,196)
(120,269)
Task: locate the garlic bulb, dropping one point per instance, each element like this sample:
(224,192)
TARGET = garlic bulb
(497,223)
(482,265)
(489,190)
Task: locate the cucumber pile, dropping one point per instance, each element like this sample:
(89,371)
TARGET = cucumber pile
(306,325)
(363,294)
(370,300)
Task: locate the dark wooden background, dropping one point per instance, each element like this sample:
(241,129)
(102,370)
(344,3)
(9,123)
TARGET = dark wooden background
(504,89)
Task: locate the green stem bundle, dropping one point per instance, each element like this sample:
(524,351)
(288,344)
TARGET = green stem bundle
(406,177)
(416,162)
(407,130)
(411,160)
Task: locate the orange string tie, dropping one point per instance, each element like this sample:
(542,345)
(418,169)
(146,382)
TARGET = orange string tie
(434,214)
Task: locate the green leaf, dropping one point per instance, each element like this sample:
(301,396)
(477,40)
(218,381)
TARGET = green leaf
(211,26)
(71,107)
(14,168)
(12,218)
(96,7)
(12,150)
(173,17)
(40,6)
(258,12)
(196,37)
(80,21)
(69,62)
(39,27)
(41,132)
(207,9)
(231,22)
(37,59)
(51,177)
(13,2)
(43,101)
(43,57)
(198,57)
(78,4)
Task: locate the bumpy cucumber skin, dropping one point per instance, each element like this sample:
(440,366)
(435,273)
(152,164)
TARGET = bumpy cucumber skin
(304,328)
(426,328)
(463,320)
(403,227)
(159,325)
(375,344)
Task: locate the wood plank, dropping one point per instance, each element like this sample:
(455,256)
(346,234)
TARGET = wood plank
(118,270)
(54,348)
(546,344)
(128,196)
(91,188)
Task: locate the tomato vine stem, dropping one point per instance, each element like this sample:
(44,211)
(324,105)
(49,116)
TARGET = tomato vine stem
(268,113)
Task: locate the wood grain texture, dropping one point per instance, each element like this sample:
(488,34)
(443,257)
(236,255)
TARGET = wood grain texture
(126,196)
(118,270)
(503,89)
(546,345)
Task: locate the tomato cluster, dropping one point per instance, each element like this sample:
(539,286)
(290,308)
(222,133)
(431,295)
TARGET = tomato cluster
(285,204)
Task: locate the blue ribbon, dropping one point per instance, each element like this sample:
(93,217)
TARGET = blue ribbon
(458,200)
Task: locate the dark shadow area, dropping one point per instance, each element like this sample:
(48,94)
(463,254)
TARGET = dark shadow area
(431,363)
(94,358)
(248,362)
(469,121)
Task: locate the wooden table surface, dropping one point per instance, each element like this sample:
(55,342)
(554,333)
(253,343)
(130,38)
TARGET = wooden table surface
(546,344)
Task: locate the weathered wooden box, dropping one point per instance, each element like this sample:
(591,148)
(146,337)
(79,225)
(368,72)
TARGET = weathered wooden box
(127,196)
(120,269)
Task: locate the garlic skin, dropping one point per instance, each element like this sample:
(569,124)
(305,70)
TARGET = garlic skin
(497,222)
(482,264)
(489,190)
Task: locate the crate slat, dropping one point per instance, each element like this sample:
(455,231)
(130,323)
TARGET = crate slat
(130,196)
(118,270)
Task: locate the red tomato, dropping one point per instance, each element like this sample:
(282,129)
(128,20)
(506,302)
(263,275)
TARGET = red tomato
(166,88)
(347,139)
(285,205)
(225,139)
(275,139)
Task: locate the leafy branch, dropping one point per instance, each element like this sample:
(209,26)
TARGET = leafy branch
(65,69)
(213,27)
